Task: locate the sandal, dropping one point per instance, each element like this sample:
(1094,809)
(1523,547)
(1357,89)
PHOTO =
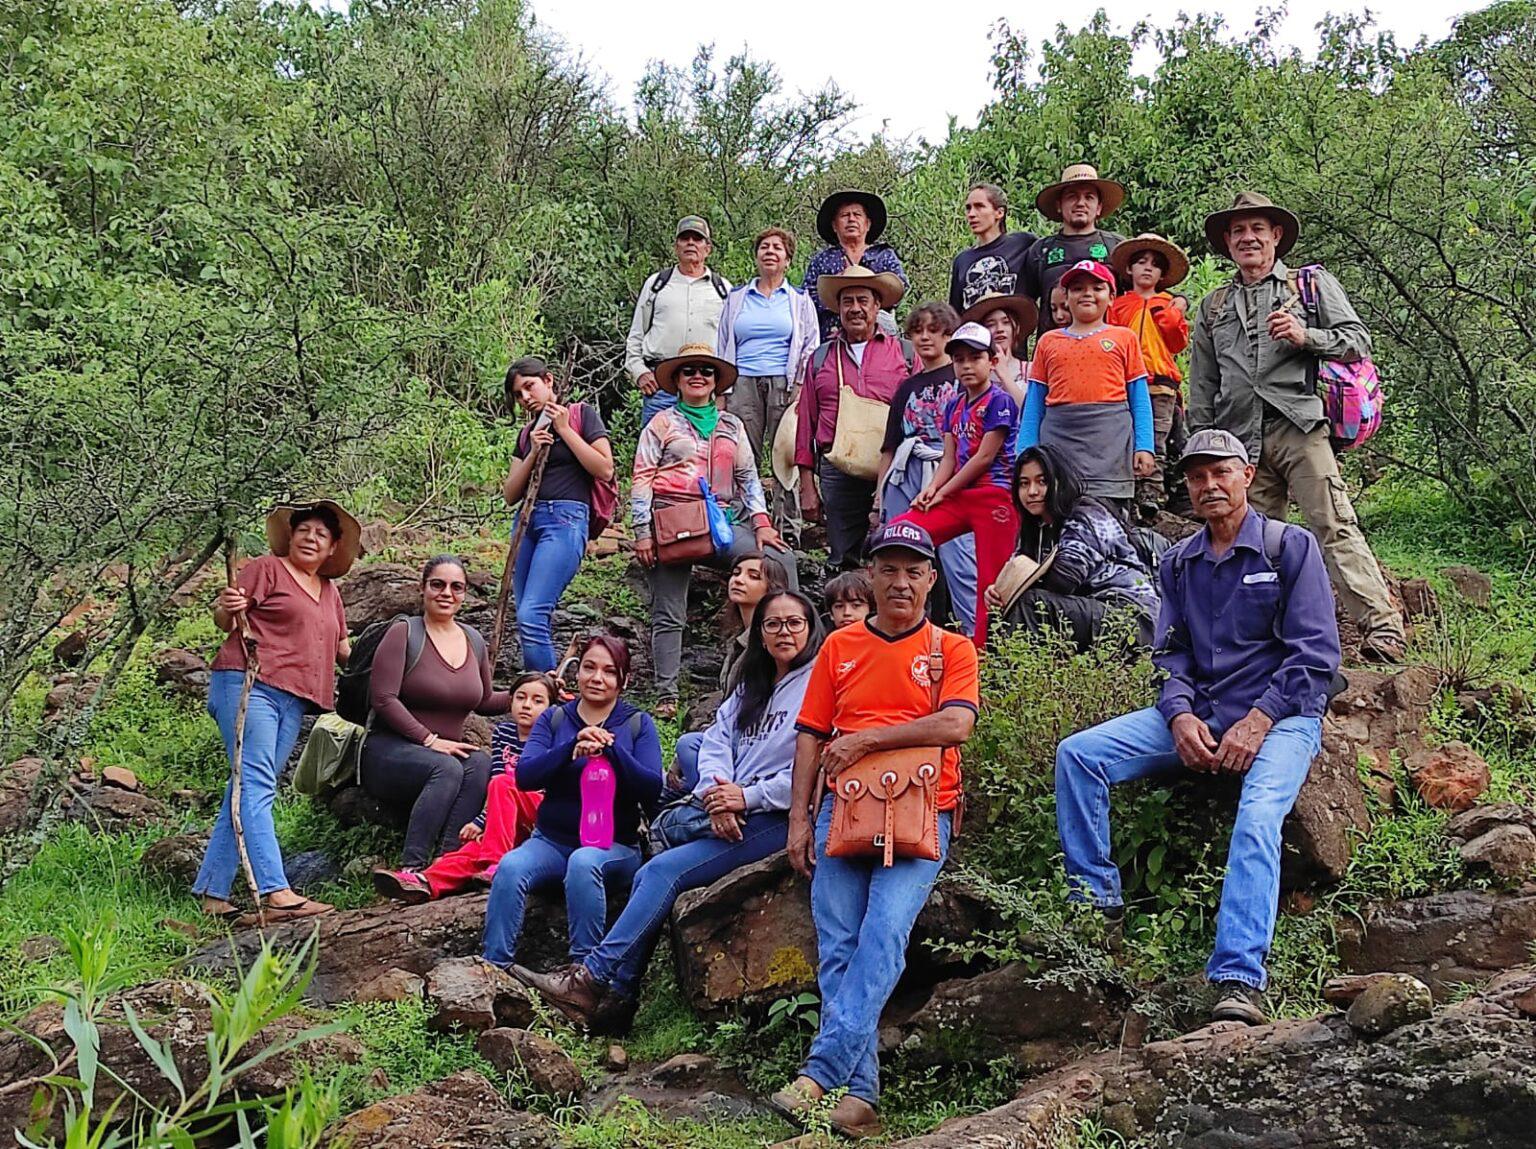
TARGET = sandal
(231,915)
(303,908)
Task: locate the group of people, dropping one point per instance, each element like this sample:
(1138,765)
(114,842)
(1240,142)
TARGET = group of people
(1001,449)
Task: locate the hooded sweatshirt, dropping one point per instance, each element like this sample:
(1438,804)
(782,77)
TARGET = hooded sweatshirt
(761,760)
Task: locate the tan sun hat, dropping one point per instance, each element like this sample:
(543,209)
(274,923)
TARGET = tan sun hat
(1251,203)
(666,371)
(1173,255)
(1019,574)
(784,469)
(886,285)
(1020,308)
(1111,194)
(348,547)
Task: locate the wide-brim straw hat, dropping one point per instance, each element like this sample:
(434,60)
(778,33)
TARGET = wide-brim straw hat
(1019,574)
(1173,255)
(886,285)
(1251,203)
(873,205)
(1021,309)
(784,469)
(666,371)
(348,547)
(1111,194)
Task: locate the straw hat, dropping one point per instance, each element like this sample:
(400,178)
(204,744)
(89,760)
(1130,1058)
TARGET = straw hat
(1125,253)
(873,206)
(348,547)
(886,285)
(1251,203)
(1021,309)
(1111,194)
(1019,574)
(666,371)
(784,469)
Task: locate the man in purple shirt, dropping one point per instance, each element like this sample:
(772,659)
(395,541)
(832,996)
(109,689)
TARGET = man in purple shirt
(1248,641)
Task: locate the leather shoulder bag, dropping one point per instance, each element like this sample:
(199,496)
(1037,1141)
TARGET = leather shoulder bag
(681,525)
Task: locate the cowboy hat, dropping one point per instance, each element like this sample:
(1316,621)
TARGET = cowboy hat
(886,285)
(1111,194)
(1019,308)
(348,547)
(1126,252)
(1019,574)
(873,205)
(784,469)
(666,371)
(1251,203)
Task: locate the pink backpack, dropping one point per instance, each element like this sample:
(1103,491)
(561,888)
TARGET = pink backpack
(1352,392)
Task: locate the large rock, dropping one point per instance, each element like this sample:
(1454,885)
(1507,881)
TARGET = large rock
(1390,1002)
(22,794)
(1471,584)
(176,857)
(1509,851)
(1445,940)
(182,671)
(473,995)
(463,1111)
(1330,815)
(114,810)
(1449,777)
(547,1067)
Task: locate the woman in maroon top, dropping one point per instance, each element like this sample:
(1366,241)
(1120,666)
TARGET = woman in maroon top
(296,618)
(415,759)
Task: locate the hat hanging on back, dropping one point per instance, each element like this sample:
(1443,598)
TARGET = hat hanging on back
(826,215)
(348,547)
(1174,258)
(1111,194)
(1252,203)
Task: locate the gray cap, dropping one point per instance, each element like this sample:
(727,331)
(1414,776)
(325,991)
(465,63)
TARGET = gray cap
(1213,443)
(693,223)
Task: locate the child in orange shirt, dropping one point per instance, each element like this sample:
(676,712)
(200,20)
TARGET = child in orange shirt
(1153,265)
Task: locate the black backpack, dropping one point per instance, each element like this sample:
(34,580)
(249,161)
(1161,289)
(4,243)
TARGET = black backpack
(664,277)
(353,700)
(1150,548)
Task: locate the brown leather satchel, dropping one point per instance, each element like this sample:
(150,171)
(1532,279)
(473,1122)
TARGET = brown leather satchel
(682,531)
(886,804)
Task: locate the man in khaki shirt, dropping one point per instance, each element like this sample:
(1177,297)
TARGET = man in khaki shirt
(1253,360)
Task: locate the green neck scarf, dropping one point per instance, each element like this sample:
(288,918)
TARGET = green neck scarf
(704,419)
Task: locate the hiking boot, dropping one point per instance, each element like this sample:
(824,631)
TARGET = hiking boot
(403,886)
(1387,649)
(572,990)
(854,1118)
(1114,928)
(615,1015)
(1236,1001)
(665,710)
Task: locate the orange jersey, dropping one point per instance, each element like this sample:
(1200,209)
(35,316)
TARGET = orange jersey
(1160,328)
(863,679)
(1095,368)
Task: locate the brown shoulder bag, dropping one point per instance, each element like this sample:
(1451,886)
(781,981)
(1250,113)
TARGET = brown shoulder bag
(681,526)
(886,804)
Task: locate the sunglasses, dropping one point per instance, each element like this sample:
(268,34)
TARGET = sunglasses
(441,584)
(784,625)
(703,369)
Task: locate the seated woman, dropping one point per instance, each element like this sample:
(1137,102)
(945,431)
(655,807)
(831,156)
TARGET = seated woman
(598,761)
(744,786)
(508,815)
(428,675)
(1094,569)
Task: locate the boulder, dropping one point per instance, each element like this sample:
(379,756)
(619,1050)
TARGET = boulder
(471,994)
(1330,815)
(115,810)
(1449,777)
(392,985)
(311,869)
(463,1111)
(1344,990)
(1419,598)
(1445,940)
(176,857)
(1509,851)
(546,1066)
(182,671)
(373,592)
(22,794)
(1471,584)
(1478,820)
(121,777)
(1390,1002)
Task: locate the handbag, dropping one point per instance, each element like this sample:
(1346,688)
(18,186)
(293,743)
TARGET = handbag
(886,804)
(860,431)
(682,531)
(679,823)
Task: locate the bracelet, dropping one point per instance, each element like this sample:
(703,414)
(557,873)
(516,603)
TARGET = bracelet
(431,741)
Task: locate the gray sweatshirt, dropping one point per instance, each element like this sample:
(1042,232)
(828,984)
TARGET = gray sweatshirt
(761,760)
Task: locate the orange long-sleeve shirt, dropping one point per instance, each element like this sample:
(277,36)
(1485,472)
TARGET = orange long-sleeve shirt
(1161,329)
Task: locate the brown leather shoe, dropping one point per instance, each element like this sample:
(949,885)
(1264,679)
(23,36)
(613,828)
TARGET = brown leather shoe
(1387,649)
(854,1118)
(572,990)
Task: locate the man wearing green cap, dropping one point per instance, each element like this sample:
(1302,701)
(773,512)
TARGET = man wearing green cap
(678,306)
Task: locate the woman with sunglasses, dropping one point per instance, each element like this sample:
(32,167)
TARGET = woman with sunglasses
(679,446)
(428,674)
(738,814)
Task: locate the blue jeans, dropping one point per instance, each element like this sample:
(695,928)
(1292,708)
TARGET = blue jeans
(540,861)
(619,960)
(685,756)
(551,552)
(653,405)
(864,914)
(957,557)
(271,730)
(1139,745)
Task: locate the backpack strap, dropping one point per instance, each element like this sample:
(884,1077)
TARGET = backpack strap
(819,356)
(1220,297)
(909,354)
(477,647)
(935,664)
(658,281)
(556,719)
(718,283)
(415,641)
(636,725)
(1274,542)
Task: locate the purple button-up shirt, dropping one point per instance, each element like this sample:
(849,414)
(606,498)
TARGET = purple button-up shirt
(1234,633)
(832,261)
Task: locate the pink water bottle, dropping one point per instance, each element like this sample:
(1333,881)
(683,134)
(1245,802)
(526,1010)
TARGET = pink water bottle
(599,789)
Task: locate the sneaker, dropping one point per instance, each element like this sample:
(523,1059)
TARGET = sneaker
(1236,1001)
(403,886)
(571,989)
(1387,649)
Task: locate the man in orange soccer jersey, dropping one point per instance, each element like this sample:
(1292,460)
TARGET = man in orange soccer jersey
(871,690)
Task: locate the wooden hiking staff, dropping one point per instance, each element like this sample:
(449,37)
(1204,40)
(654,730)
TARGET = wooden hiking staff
(237,756)
(530,497)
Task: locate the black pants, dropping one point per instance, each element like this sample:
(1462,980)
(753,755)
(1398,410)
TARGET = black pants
(1079,618)
(845,506)
(441,792)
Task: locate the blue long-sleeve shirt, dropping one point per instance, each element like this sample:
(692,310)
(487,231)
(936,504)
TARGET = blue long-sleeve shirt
(1234,634)
(1138,397)
(548,763)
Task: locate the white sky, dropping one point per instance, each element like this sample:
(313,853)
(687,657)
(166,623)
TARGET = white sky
(913,73)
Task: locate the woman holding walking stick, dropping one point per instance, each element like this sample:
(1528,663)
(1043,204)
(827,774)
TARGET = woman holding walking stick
(298,629)
(578,454)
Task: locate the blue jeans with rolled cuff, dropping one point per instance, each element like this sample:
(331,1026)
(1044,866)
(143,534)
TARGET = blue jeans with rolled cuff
(547,561)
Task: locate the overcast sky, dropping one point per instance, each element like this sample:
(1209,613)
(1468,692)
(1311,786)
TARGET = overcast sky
(912,74)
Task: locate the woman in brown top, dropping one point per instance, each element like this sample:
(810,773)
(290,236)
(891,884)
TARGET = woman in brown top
(296,618)
(423,686)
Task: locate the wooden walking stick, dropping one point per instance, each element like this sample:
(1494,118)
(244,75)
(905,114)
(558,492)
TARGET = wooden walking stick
(237,756)
(530,497)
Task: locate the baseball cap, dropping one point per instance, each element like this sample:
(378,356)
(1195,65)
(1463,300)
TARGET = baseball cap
(1213,443)
(904,536)
(972,335)
(1089,267)
(694,223)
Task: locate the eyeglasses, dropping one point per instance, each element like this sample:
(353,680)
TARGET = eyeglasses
(704,369)
(792,625)
(439,585)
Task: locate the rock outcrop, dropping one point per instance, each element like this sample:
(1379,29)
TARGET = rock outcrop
(463,1111)
(1445,940)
